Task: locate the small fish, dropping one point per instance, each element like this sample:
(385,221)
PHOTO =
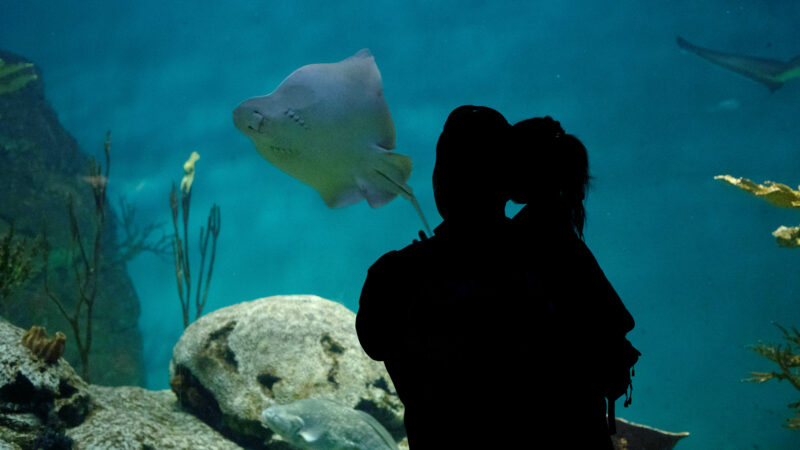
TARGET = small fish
(769,72)
(328,125)
(324,424)
(727,105)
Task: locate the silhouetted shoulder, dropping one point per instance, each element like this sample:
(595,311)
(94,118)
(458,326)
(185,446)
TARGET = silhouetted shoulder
(383,306)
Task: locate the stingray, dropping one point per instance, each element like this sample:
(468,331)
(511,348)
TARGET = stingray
(769,72)
(328,125)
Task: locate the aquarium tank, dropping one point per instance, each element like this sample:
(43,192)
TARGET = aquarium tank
(140,200)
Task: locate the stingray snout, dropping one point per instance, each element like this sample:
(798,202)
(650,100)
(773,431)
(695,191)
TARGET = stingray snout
(247,119)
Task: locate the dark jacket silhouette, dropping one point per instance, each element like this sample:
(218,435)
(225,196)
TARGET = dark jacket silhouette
(491,330)
(585,332)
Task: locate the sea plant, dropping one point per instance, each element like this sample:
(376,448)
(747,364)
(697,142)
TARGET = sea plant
(87,264)
(14,77)
(45,347)
(787,357)
(136,239)
(15,261)
(776,194)
(180,244)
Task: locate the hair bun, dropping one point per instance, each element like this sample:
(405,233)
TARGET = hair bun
(552,127)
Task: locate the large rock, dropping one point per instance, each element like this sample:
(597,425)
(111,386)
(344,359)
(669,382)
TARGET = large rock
(132,418)
(49,406)
(232,364)
(41,167)
(38,400)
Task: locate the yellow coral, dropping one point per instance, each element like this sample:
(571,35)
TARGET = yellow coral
(775,193)
(9,82)
(787,237)
(47,348)
(188,168)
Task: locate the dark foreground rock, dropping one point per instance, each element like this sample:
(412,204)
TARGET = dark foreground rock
(38,400)
(47,405)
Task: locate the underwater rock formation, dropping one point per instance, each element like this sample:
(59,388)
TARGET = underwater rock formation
(235,362)
(38,400)
(46,405)
(632,436)
(133,418)
(14,77)
(41,166)
(49,406)
(47,348)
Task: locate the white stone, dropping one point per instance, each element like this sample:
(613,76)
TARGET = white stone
(276,350)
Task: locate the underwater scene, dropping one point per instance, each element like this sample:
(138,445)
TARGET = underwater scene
(138,192)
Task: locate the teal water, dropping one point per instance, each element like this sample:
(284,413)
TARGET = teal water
(692,258)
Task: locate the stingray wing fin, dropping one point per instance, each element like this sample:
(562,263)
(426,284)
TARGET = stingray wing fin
(339,195)
(363,75)
(384,178)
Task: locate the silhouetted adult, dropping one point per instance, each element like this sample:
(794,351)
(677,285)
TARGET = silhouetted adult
(448,315)
(588,319)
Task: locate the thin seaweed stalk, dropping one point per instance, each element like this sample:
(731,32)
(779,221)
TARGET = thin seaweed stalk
(86,266)
(180,246)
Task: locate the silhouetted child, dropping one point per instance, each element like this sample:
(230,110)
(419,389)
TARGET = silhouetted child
(589,321)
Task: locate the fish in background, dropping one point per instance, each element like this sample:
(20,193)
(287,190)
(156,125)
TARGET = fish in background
(727,105)
(328,125)
(324,424)
(769,72)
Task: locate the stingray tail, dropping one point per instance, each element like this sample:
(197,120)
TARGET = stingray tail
(408,194)
(391,173)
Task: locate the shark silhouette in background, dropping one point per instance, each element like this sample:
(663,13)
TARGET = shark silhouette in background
(770,72)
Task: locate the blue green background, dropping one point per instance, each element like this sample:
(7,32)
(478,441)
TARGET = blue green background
(692,258)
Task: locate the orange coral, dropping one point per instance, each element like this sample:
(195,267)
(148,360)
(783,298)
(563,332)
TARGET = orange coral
(47,348)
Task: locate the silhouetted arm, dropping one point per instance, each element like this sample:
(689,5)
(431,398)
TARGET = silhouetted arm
(380,310)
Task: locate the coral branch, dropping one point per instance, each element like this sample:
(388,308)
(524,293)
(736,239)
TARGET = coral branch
(212,230)
(776,194)
(137,239)
(786,357)
(788,360)
(86,266)
(180,246)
